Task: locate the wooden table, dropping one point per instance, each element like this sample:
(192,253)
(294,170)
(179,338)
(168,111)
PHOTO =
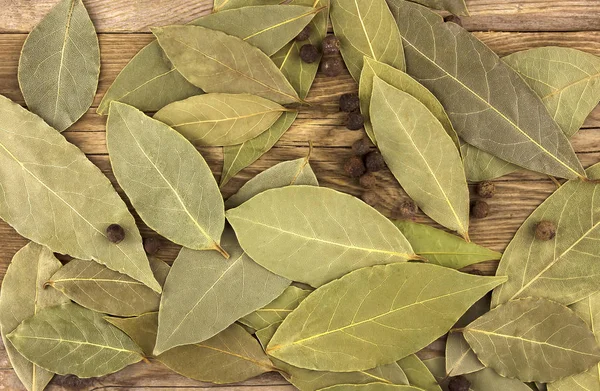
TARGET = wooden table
(506,26)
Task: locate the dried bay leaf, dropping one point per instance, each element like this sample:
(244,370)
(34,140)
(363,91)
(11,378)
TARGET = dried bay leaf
(489,104)
(430,172)
(401,81)
(292,172)
(204,294)
(238,157)
(442,248)
(564,269)
(375,316)
(366,29)
(277,310)
(222,5)
(60,65)
(199,54)
(150,81)
(533,339)
(482,166)
(371,387)
(221,119)
(189,211)
(74,202)
(98,288)
(141,329)
(589,310)
(22,296)
(265,335)
(315,234)
(457,7)
(418,373)
(70,339)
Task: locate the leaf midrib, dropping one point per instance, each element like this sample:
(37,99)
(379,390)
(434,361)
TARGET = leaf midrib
(62,57)
(85,343)
(290,20)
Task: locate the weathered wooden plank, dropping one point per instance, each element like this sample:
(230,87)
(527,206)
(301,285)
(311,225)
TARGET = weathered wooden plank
(139,16)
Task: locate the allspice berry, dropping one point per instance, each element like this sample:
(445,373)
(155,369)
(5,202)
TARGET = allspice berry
(370,197)
(368,180)
(459,383)
(361,147)
(453,19)
(407,209)
(331,44)
(374,161)
(354,167)
(355,121)
(151,245)
(349,102)
(480,209)
(115,233)
(332,66)
(304,34)
(486,189)
(545,230)
(309,53)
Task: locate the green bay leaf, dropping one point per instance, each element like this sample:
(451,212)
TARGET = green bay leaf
(314,235)
(221,119)
(242,68)
(59,65)
(72,340)
(457,7)
(371,387)
(292,172)
(366,29)
(98,288)
(375,316)
(489,104)
(418,373)
(238,157)
(22,296)
(533,339)
(204,294)
(430,172)
(177,197)
(403,82)
(564,269)
(277,310)
(443,248)
(73,204)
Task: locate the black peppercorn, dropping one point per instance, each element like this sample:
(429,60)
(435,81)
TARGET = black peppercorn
(368,180)
(486,189)
(407,209)
(374,161)
(370,197)
(453,19)
(362,146)
(480,209)
(354,167)
(151,245)
(355,121)
(332,66)
(349,102)
(331,45)
(459,383)
(304,34)
(309,53)
(545,230)
(115,233)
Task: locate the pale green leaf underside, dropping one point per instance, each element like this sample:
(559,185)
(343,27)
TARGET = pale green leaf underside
(375,316)
(404,82)
(566,268)
(70,339)
(418,374)
(238,157)
(204,294)
(22,296)
(165,178)
(141,329)
(74,202)
(371,387)
(366,28)
(222,5)
(489,104)
(200,54)
(443,248)
(315,234)
(98,288)
(292,172)
(60,65)
(460,358)
(457,7)
(421,155)
(533,339)
(221,119)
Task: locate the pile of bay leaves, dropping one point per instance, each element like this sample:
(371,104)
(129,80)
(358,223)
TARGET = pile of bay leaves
(305,281)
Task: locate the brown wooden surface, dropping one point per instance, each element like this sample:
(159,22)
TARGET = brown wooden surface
(506,26)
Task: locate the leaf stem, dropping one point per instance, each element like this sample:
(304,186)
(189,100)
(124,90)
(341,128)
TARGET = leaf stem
(221,250)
